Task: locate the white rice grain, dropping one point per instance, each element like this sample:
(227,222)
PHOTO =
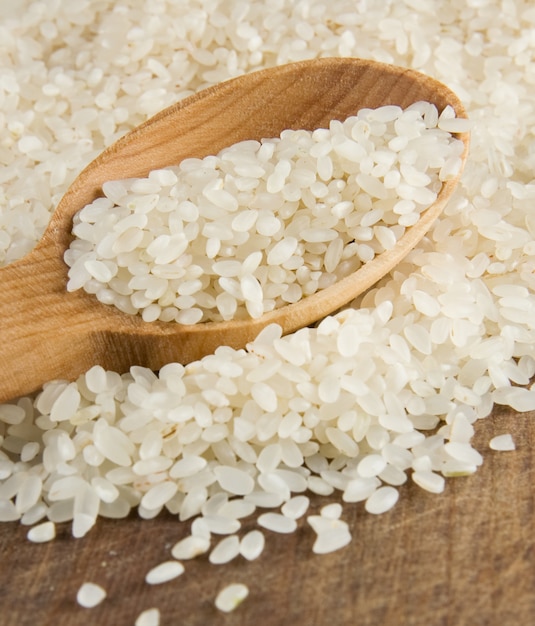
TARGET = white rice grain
(277,523)
(190,547)
(90,595)
(503,442)
(382,500)
(164,572)
(331,511)
(227,549)
(430,481)
(234,480)
(252,544)
(331,534)
(295,507)
(41,533)
(231,596)
(148,617)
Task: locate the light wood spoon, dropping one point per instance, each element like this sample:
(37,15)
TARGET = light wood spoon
(48,333)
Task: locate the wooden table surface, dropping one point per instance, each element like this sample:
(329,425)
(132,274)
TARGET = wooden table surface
(462,558)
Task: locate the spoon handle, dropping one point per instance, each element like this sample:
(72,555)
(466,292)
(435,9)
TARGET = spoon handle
(40,333)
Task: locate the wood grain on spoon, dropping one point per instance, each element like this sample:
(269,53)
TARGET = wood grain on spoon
(48,333)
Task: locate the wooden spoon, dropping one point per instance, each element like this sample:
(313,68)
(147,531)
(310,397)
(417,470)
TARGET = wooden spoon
(48,333)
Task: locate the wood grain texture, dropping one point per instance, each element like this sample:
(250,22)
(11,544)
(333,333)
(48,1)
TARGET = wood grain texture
(463,558)
(48,333)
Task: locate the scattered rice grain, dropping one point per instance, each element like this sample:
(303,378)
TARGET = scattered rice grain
(164,572)
(231,596)
(90,595)
(503,442)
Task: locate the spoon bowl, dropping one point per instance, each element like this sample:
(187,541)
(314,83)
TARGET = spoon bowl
(48,333)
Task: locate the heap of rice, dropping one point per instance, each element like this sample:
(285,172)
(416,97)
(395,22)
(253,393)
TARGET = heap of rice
(441,340)
(263,224)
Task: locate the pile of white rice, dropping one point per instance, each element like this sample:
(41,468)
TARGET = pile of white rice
(389,390)
(263,223)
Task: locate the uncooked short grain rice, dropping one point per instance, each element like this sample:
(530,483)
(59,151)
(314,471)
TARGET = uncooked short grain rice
(252,544)
(149,617)
(190,547)
(164,572)
(263,224)
(412,365)
(231,597)
(46,531)
(226,550)
(332,533)
(295,507)
(90,595)
(503,442)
